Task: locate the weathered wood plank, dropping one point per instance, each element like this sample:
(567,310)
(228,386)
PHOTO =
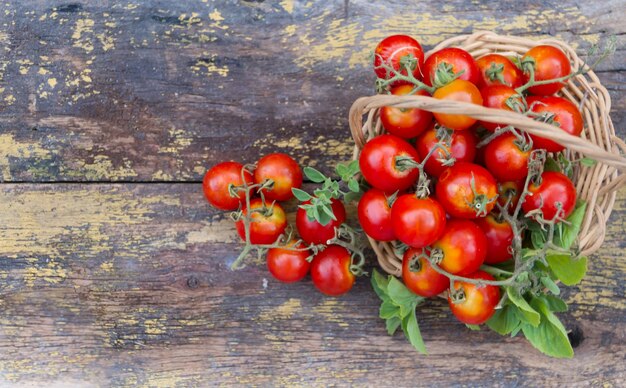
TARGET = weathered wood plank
(123,284)
(158,91)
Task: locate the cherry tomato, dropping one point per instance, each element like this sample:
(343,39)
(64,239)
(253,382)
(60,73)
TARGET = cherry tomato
(405,123)
(565,113)
(285,173)
(330,271)
(499,236)
(417,222)
(216,181)
(375,215)
(510,189)
(497,96)
(312,231)
(550,63)
(478,304)
(456,195)
(420,277)
(457,90)
(379,163)
(555,188)
(288,265)
(506,159)
(266,225)
(464,247)
(391,52)
(462,148)
(496,69)
(459,59)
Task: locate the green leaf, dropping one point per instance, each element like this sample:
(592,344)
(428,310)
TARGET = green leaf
(341,169)
(301,195)
(550,285)
(526,312)
(538,238)
(402,296)
(352,196)
(473,327)
(554,303)
(392,324)
(550,336)
(505,320)
(588,162)
(379,284)
(569,233)
(314,175)
(551,165)
(329,211)
(388,309)
(412,332)
(568,270)
(353,185)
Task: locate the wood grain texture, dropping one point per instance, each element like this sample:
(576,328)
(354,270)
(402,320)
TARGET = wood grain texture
(122,284)
(145,91)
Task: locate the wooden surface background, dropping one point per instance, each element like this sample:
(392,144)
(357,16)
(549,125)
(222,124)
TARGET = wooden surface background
(114,270)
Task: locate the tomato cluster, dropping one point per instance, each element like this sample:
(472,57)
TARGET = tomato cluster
(254,193)
(441,182)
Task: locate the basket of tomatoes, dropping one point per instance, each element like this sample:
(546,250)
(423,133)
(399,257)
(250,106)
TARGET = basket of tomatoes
(490,166)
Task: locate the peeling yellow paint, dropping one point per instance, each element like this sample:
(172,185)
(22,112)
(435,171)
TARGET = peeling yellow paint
(12,148)
(52,82)
(290,29)
(101,168)
(10,99)
(83,27)
(43,71)
(106,266)
(210,67)
(284,311)
(330,310)
(287,5)
(52,273)
(155,326)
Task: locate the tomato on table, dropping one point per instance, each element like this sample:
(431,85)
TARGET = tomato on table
(506,159)
(406,123)
(554,189)
(419,276)
(471,304)
(463,245)
(417,222)
(217,180)
(312,231)
(563,112)
(396,50)
(288,265)
(457,60)
(550,63)
(381,166)
(374,214)
(462,148)
(283,171)
(266,224)
(330,271)
(467,190)
(500,97)
(462,91)
(499,236)
(496,69)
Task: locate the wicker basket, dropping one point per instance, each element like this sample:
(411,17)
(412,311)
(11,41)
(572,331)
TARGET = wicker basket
(597,185)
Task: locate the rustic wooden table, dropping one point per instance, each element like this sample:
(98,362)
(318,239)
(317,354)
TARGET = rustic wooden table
(113,268)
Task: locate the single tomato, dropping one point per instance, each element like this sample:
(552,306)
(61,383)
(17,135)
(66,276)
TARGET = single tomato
(456,60)
(420,277)
(554,190)
(283,171)
(288,265)
(463,246)
(398,52)
(496,69)
(467,190)
(500,97)
(462,147)
(312,231)
(417,222)
(506,159)
(499,236)
(462,91)
(330,271)
(560,110)
(472,304)
(374,214)
(267,223)
(381,163)
(217,181)
(405,123)
(550,63)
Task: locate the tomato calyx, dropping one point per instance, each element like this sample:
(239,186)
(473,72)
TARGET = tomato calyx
(444,74)
(457,296)
(480,201)
(494,72)
(407,63)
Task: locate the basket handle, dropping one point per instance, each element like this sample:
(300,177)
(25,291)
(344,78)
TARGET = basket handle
(517,120)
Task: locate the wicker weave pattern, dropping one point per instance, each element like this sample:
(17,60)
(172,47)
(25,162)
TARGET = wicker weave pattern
(597,185)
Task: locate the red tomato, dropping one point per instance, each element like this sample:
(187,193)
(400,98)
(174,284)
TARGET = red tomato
(505,159)
(496,96)
(265,228)
(462,147)
(509,75)
(478,303)
(459,59)
(285,173)
(417,222)
(375,215)
(499,236)
(565,114)
(454,190)
(464,247)
(312,231)
(216,181)
(288,265)
(378,163)
(555,188)
(512,189)
(457,90)
(391,50)
(405,123)
(330,271)
(550,63)
(420,277)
